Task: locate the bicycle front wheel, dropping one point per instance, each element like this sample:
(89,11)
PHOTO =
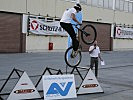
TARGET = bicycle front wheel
(70,60)
(88,34)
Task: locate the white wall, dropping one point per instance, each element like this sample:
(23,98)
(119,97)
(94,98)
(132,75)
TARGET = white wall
(41,43)
(13,6)
(123,18)
(122,44)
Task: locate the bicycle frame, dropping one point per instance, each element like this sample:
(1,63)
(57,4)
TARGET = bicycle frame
(82,31)
(85,31)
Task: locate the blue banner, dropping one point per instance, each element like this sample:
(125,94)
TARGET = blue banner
(79,18)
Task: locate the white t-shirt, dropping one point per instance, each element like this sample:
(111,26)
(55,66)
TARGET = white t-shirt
(66,18)
(95,52)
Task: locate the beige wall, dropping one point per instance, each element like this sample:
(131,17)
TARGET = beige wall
(13,6)
(94,13)
(123,18)
(122,44)
(41,43)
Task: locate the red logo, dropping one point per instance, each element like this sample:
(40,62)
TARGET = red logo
(34,25)
(118,31)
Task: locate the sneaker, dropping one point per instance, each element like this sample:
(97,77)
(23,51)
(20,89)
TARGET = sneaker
(74,53)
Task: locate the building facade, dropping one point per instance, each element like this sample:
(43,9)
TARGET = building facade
(103,14)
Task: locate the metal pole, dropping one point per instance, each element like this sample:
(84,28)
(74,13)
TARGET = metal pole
(66,68)
(114,1)
(78,1)
(6,80)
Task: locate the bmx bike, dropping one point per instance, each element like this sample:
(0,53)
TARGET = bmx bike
(88,36)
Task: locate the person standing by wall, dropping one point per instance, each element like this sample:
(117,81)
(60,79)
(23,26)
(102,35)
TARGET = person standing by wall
(94,52)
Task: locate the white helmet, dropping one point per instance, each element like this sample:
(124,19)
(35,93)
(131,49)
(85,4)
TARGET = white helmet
(78,7)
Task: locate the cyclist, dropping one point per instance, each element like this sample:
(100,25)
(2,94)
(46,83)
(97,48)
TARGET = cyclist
(65,23)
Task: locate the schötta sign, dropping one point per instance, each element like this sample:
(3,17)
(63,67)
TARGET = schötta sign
(39,26)
(51,28)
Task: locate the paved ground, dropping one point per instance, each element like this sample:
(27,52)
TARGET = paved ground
(115,77)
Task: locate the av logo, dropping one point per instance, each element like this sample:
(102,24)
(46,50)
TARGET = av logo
(34,25)
(59,89)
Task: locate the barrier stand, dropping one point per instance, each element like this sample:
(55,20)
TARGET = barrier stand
(50,73)
(24,89)
(39,83)
(77,69)
(89,82)
(1,98)
(9,77)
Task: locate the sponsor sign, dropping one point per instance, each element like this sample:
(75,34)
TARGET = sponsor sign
(122,32)
(89,84)
(40,26)
(59,86)
(24,89)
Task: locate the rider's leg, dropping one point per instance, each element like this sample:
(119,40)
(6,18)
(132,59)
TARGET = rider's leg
(75,44)
(68,27)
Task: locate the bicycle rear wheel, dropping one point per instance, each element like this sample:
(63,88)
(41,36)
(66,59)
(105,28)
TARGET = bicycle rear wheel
(72,61)
(88,34)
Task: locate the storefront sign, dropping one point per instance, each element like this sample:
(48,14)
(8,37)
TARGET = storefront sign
(40,26)
(122,32)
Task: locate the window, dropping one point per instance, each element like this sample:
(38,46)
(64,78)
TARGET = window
(89,2)
(95,2)
(126,6)
(100,3)
(111,4)
(130,7)
(117,4)
(83,1)
(121,5)
(106,3)
(72,0)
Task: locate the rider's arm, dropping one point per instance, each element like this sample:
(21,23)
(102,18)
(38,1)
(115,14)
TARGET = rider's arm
(74,18)
(99,55)
(91,49)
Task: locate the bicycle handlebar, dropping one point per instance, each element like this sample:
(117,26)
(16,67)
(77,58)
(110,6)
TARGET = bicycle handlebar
(76,24)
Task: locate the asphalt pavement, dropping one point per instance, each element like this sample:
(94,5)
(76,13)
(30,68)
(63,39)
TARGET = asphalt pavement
(115,77)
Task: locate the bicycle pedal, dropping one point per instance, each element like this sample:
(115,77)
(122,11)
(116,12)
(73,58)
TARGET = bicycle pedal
(87,34)
(74,54)
(79,49)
